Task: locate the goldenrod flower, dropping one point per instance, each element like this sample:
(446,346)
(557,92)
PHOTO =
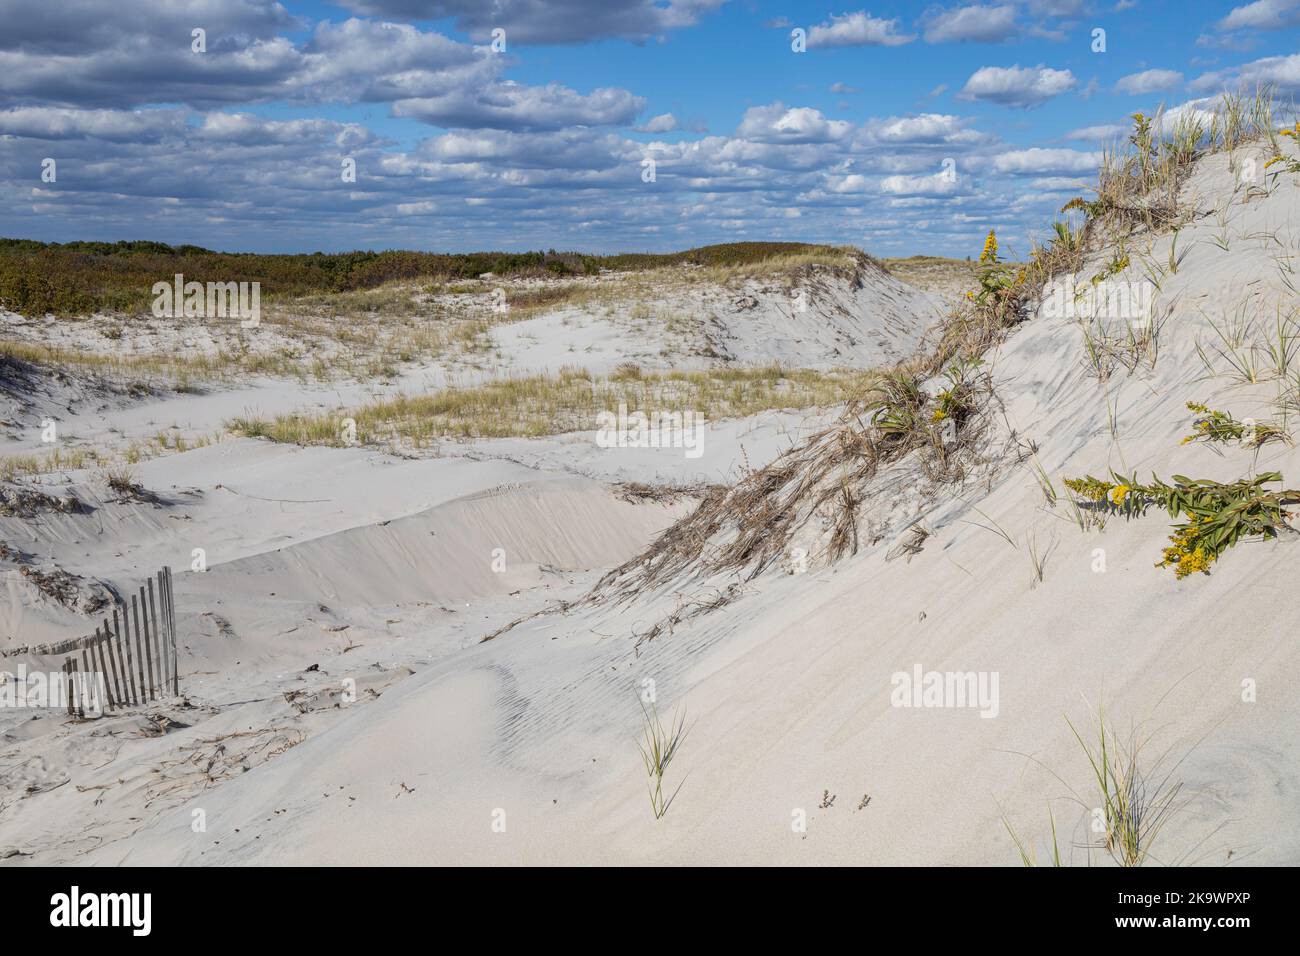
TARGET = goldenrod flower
(990,253)
(1119,493)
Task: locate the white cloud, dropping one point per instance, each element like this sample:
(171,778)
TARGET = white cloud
(936,184)
(1105,131)
(976,23)
(1262,15)
(1017,86)
(1281,71)
(925,128)
(663,123)
(529,21)
(857,29)
(1038,160)
(120,126)
(776,124)
(510,105)
(1149,81)
(1058,184)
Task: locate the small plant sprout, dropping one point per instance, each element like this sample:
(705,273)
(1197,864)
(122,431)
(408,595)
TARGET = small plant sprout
(1027,855)
(658,746)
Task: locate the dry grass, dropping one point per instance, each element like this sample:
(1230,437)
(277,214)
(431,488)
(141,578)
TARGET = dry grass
(63,459)
(537,405)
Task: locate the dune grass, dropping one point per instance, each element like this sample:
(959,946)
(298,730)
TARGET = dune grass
(658,748)
(1129,804)
(64,458)
(537,405)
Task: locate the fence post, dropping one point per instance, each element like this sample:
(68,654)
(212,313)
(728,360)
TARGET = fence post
(124,640)
(159,652)
(101,672)
(171,628)
(148,643)
(139,649)
(106,642)
(76,686)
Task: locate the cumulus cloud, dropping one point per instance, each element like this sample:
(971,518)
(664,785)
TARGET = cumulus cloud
(663,123)
(1104,131)
(777,124)
(512,106)
(82,26)
(1281,71)
(1017,86)
(365,60)
(1149,81)
(508,164)
(1057,8)
(931,128)
(857,29)
(114,126)
(556,21)
(990,24)
(424,75)
(1037,160)
(1262,15)
(936,184)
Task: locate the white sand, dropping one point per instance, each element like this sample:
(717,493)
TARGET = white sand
(788,688)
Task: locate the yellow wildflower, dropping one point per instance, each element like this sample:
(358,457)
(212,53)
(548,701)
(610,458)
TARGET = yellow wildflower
(1119,493)
(990,253)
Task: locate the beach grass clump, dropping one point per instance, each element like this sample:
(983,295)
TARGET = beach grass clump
(1130,802)
(1218,515)
(539,405)
(658,746)
(1140,178)
(1132,807)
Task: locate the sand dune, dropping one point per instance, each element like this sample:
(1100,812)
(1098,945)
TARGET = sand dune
(521,748)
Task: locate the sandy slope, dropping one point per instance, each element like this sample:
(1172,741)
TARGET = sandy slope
(522,749)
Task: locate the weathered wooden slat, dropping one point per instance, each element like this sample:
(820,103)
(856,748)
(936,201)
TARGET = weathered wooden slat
(112,663)
(101,675)
(88,688)
(76,687)
(158,642)
(171,627)
(67,686)
(148,644)
(124,636)
(139,649)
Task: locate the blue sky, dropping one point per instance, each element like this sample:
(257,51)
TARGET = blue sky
(901,127)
